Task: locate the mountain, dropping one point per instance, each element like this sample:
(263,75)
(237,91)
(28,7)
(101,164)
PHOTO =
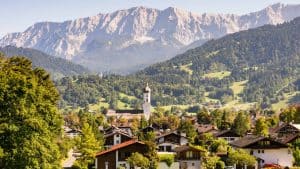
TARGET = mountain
(259,66)
(58,67)
(131,39)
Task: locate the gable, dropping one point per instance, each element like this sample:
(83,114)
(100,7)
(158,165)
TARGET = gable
(266,144)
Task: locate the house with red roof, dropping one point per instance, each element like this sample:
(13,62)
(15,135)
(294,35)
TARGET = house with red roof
(116,156)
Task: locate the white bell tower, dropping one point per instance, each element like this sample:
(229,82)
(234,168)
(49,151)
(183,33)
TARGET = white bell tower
(147,102)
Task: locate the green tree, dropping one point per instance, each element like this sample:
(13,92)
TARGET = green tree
(296,155)
(187,127)
(30,125)
(203,117)
(213,162)
(241,124)
(240,157)
(261,127)
(88,145)
(138,160)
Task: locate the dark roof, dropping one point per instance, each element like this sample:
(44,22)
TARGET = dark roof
(119,146)
(185,148)
(73,131)
(288,138)
(252,139)
(281,126)
(204,128)
(130,111)
(117,132)
(169,133)
(226,133)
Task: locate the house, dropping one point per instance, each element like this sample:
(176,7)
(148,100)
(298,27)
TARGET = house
(188,157)
(137,113)
(227,135)
(116,137)
(116,156)
(169,141)
(266,150)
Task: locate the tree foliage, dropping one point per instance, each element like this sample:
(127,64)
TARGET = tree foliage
(261,127)
(88,145)
(138,160)
(30,126)
(241,124)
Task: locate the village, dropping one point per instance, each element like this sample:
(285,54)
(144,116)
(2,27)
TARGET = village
(193,141)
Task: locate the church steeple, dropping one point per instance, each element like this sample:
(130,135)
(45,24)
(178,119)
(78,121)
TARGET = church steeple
(147,94)
(147,102)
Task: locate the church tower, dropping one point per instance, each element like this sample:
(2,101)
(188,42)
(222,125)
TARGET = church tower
(147,102)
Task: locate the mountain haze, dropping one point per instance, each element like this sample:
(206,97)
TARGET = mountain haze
(131,39)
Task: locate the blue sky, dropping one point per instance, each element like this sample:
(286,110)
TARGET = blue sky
(17,15)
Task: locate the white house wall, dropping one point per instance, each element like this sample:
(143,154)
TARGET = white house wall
(280,156)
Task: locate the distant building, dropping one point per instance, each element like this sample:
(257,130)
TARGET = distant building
(169,141)
(227,135)
(131,114)
(188,157)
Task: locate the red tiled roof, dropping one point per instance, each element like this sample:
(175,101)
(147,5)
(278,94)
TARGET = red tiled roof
(119,146)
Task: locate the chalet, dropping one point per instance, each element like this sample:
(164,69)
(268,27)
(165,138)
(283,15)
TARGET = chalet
(116,137)
(266,150)
(116,156)
(227,135)
(138,113)
(169,141)
(188,157)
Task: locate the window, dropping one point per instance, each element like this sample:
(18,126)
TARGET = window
(118,142)
(231,138)
(189,154)
(193,164)
(251,152)
(161,148)
(168,148)
(117,135)
(258,151)
(262,151)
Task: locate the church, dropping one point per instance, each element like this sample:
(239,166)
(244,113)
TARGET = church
(135,113)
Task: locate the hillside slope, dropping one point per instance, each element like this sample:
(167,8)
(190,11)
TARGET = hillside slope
(259,66)
(58,67)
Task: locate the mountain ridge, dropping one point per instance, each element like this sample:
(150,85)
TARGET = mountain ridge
(128,38)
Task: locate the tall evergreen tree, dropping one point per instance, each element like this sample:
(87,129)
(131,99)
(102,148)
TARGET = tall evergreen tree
(241,124)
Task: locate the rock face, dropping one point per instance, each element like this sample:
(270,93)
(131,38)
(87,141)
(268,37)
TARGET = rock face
(128,40)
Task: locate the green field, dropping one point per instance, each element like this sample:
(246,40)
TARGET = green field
(212,54)
(186,68)
(219,75)
(284,103)
(237,88)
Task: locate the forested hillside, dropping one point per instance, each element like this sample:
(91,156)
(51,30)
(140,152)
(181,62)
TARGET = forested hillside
(258,66)
(56,66)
